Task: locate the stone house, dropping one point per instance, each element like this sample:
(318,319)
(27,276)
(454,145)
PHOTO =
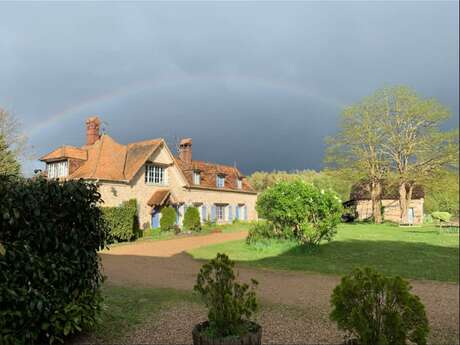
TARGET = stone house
(360,201)
(149,172)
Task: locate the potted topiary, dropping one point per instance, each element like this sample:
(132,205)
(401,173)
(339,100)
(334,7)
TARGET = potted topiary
(230,306)
(377,310)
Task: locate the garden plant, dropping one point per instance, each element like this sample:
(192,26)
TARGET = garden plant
(168,218)
(192,220)
(50,279)
(230,305)
(377,310)
(301,209)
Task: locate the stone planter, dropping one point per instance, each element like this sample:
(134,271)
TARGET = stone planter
(251,338)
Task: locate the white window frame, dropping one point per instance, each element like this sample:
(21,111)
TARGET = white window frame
(196,178)
(220,212)
(220,181)
(57,169)
(239,183)
(155,174)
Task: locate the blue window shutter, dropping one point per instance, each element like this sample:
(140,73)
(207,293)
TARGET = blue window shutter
(213,213)
(177,215)
(230,215)
(245,212)
(203,213)
(237,212)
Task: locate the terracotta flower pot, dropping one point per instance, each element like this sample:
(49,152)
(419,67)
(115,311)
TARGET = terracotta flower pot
(252,338)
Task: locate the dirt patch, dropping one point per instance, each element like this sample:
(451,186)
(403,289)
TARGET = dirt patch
(167,248)
(164,265)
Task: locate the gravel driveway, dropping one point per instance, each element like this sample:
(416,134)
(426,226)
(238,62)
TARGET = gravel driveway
(164,264)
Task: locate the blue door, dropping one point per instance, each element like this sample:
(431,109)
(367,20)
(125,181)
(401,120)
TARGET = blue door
(155,218)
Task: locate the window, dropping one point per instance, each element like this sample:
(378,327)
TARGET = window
(155,174)
(196,177)
(220,181)
(239,183)
(57,169)
(220,212)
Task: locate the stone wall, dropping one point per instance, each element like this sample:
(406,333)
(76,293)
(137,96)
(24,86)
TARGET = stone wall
(391,210)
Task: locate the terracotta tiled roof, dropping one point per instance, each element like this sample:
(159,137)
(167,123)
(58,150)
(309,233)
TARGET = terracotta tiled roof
(65,152)
(106,159)
(209,172)
(158,197)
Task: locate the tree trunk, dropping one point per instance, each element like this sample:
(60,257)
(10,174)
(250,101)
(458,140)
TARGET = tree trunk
(376,190)
(403,202)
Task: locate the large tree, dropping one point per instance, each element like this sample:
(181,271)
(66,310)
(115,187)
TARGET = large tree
(8,163)
(357,148)
(414,144)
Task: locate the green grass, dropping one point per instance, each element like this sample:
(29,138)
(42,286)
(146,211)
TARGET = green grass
(127,307)
(417,252)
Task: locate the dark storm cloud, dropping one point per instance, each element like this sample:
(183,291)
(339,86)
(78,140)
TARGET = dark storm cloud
(259,84)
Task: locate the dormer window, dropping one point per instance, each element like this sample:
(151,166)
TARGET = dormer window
(57,169)
(196,177)
(155,174)
(220,181)
(239,183)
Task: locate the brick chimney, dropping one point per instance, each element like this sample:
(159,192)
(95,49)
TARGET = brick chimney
(185,150)
(92,130)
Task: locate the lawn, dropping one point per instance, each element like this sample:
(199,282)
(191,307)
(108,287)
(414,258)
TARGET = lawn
(125,308)
(418,252)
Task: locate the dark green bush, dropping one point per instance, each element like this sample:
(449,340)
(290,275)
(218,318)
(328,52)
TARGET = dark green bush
(50,280)
(309,213)
(378,310)
(122,220)
(192,219)
(230,304)
(168,218)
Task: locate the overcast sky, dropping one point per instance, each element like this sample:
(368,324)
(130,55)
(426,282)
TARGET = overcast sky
(259,84)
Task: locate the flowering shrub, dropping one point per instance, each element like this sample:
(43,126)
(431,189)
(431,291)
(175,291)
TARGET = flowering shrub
(309,213)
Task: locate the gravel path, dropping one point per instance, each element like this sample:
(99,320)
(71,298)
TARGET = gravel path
(163,264)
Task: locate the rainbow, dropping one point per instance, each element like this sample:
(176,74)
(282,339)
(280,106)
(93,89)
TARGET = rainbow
(140,86)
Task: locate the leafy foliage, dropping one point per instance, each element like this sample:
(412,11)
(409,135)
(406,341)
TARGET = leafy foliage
(335,180)
(229,303)
(8,162)
(262,230)
(377,310)
(122,220)
(50,280)
(441,216)
(192,219)
(168,218)
(310,213)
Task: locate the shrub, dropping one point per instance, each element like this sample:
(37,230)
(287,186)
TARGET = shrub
(50,280)
(310,213)
(441,216)
(192,219)
(168,218)
(230,304)
(263,230)
(122,220)
(377,310)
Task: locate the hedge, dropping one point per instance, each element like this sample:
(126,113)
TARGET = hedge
(50,278)
(192,219)
(168,218)
(122,220)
